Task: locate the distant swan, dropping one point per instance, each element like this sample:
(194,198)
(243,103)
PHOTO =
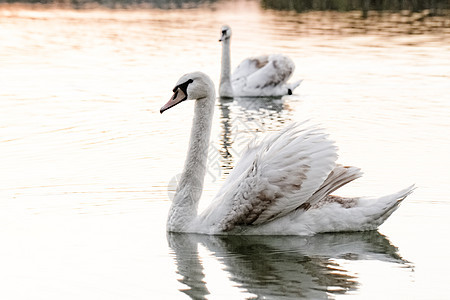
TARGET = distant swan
(265,75)
(280,186)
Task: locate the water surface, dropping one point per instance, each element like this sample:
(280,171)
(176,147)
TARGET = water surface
(88,163)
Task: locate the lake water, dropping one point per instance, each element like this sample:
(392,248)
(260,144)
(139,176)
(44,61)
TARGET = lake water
(88,164)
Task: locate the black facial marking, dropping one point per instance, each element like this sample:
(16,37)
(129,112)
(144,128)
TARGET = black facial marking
(183,86)
(175,95)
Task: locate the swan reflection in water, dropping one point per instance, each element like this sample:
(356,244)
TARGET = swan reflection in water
(281,267)
(244,118)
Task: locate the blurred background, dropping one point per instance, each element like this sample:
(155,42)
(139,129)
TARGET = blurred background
(88,165)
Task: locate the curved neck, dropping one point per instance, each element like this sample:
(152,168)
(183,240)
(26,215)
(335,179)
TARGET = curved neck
(190,186)
(225,88)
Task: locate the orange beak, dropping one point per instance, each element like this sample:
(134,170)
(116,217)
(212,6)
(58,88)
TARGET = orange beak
(176,98)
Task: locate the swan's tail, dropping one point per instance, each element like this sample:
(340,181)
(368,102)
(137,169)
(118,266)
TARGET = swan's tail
(292,86)
(386,205)
(338,214)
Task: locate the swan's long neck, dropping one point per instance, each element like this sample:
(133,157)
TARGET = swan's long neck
(190,186)
(225,88)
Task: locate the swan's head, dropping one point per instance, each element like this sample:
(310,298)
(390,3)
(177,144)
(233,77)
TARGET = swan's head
(192,86)
(225,33)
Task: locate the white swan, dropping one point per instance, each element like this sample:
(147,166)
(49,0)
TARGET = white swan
(265,75)
(280,186)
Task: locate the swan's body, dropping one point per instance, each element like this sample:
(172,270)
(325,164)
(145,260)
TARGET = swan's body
(265,75)
(280,186)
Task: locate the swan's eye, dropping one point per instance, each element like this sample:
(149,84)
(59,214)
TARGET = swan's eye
(224,31)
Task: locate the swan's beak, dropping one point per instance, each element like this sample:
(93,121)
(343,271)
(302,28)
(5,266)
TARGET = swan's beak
(177,97)
(222,37)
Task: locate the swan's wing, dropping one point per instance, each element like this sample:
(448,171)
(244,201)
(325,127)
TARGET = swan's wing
(274,177)
(249,66)
(258,75)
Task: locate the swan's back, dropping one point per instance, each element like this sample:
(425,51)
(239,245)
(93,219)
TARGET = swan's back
(265,75)
(249,66)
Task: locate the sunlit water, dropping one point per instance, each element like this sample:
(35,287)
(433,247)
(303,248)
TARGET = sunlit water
(88,164)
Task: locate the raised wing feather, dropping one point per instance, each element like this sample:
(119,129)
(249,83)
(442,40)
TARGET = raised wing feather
(249,66)
(264,76)
(274,177)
